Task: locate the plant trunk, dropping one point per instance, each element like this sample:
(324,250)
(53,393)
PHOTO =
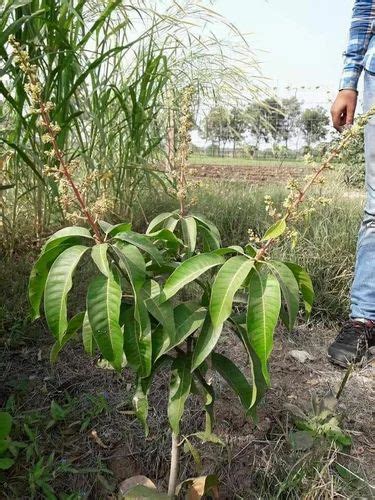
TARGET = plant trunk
(175,459)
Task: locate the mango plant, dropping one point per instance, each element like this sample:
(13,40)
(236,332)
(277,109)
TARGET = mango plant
(136,315)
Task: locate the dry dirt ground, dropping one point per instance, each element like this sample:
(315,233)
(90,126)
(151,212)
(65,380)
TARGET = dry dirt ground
(260,174)
(257,462)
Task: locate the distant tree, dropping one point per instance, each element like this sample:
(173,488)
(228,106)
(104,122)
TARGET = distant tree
(313,124)
(217,126)
(292,113)
(265,120)
(238,124)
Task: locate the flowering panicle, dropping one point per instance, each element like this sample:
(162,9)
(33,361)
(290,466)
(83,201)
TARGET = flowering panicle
(70,195)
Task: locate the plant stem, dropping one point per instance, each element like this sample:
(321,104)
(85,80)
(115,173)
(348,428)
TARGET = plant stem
(345,380)
(326,165)
(175,459)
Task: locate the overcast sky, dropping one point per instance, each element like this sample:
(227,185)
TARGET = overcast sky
(299,42)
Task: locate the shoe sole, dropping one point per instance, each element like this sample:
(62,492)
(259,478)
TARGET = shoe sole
(363,362)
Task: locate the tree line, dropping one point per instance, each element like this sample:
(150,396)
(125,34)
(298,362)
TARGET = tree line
(271,121)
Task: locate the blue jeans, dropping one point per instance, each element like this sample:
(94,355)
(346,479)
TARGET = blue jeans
(363,288)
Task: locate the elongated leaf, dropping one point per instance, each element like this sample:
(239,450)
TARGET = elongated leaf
(133,264)
(161,311)
(137,347)
(74,233)
(188,316)
(262,314)
(140,398)
(169,239)
(24,156)
(228,280)
(142,242)
(305,285)
(179,391)
(124,227)
(189,231)
(87,337)
(58,284)
(99,256)
(259,384)
(206,342)
(158,221)
(234,378)
(210,241)
(289,288)
(275,230)
(210,226)
(189,271)
(38,277)
(103,308)
(73,326)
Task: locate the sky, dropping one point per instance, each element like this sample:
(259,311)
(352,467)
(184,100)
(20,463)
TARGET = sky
(299,43)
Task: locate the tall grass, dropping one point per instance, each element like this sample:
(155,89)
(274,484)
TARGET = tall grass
(114,72)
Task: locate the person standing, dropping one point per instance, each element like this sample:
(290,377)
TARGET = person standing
(357,336)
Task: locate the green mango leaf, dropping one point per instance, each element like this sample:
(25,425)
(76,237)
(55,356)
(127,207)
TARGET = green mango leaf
(143,242)
(168,238)
(161,311)
(140,399)
(188,317)
(103,308)
(124,227)
(227,250)
(275,230)
(58,284)
(305,286)
(179,391)
(188,271)
(38,277)
(262,314)
(190,448)
(66,234)
(189,232)
(74,325)
(137,347)
(210,226)
(228,280)
(5,424)
(133,263)
(206,342)
(289,288)
(87,337)
(210,241)
(259,384)
(234,378)
(158,221)
(99,256)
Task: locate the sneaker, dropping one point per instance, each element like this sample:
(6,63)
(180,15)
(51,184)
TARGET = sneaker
(353,342)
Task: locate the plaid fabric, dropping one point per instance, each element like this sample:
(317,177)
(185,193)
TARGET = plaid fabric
(360,51)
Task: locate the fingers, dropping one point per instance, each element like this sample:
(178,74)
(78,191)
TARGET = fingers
(339,117)
(349,115)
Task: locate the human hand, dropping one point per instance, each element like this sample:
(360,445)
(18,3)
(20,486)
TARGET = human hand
(343,109)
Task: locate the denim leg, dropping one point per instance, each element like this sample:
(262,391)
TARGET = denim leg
(363,288)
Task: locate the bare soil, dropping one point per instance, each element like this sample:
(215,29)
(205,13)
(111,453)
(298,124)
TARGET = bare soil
(257,458)
(270,174)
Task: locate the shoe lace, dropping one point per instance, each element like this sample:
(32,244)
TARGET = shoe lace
(355,332)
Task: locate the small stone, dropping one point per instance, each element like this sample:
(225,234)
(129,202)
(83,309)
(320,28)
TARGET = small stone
(301,356)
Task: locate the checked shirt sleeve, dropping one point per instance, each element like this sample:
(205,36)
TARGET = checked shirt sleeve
(359,38)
